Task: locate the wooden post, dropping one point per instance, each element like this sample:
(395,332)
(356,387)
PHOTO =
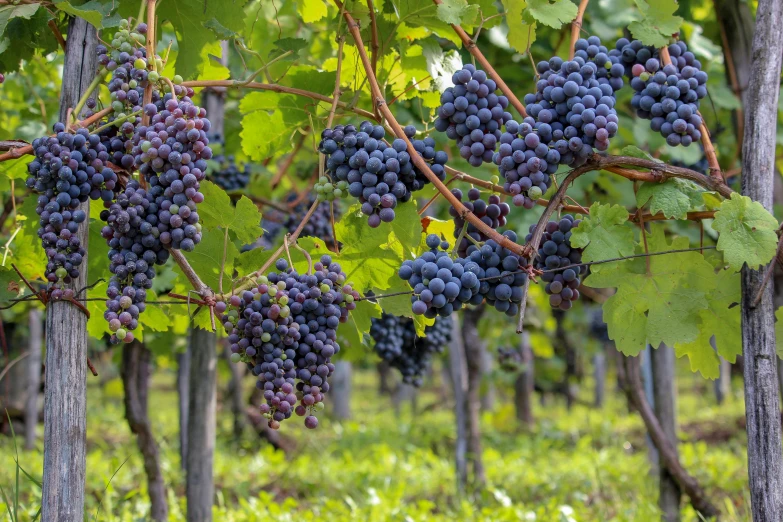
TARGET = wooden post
(458,373)
(599,376)
(666,411)
(525,383)
(200,488)
(65,397)
(473,353)
(340,390)
(762,410)
(33,377)
(135,372)
(183,394)
(236,394)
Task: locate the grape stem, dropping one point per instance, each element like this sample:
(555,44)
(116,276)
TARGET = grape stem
(307,256)
(87,93)
(117,122)
(576,27)
(459,239)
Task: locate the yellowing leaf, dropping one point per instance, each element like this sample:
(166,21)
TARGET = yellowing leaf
(311,10)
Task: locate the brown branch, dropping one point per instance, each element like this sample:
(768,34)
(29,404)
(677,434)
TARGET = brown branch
(418,161)
(706,142)
(91,367)
(57,34)
(473,49)
(198,285)
(374,45)
(576,27)
(667,452)
(337,91)
(283,170)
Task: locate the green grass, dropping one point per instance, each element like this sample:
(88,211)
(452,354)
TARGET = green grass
(583,465)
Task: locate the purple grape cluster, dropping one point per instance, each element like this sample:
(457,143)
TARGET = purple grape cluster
(171,153)
(133,236)
(573,107)
(472,114)
(397,343)
(285,329)
(67,170)
(554,253)
(669,97)
(492,212)
(510,359)
(525,162)
(441,285)
(229,176)
(379,175)
(501,274)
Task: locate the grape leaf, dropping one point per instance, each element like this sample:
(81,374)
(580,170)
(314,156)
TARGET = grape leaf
(423,13)
(269,120)
(207,259)
(747,232)
(604,234)
(458,12)
(154,318)
(190,18)
(659,22)
(252,260)
(720,319)
(16,169)
(10,12)
(24,31)
(554,14)
(11,285)
(674,197)
(520,34)
(635,152)
(219,29)
(661,305)
(96,12)
(359,321)
(311,10)
(242,220)
(291,44)
(406,227)
(97,326)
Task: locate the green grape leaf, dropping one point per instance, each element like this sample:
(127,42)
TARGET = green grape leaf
(97,326)
(553,14)
(359,321)
(458,12)
(269,121)
(311,10)
(16,169)
(635,152)
(659,22)
(207,259)
(219,29)
(604,234)
(252,260)
(10,12)
(291,44)
(24,32)
(202,319)
(422,14)
(243,220)
(11,285)
(674,197)
(96,12)
(520,34)
(154,318)
(189,19)
(721,318)
(406,226)
(659,305)
(747,232)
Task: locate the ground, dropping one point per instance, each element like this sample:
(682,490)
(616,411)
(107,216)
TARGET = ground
(582,465)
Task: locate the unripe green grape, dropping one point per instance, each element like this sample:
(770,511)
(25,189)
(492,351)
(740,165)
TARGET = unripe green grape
(534,193)
(323,180)
(177,79)
(266,337)
(644,76)
(235,357)
(319,406)
(145,146)
(283,300)
(285,312)
(124,24)
(117,106)
(348,298)
(120,117)
(495,179)
(263,279)
(338,193)
(281,285)
(174,209)
(121,333)
(116,43)
(153,76)
(140,63)
(272,291)
(325,288)
(126,47)
(61,272)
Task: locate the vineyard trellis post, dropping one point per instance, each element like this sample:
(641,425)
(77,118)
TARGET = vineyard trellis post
(663,383)
(762,402)
(65,398)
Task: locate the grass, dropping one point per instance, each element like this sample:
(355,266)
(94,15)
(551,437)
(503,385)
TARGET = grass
(582,465)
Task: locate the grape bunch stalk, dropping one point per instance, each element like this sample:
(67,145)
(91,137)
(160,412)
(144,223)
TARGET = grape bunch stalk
(555,253)
(397,343)
(492,212)
(285,330)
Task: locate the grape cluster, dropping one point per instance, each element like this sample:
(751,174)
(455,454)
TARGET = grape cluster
(440,285)
(492,212)
(2,78)
(67,170)
(556,252)
(379,175)
(133,235)
(573,106)
(397,343)
(526,163)
(228,175)
(472,114)
(501,274)
(171,153)
(668,96)
(285,329)
(320,223)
